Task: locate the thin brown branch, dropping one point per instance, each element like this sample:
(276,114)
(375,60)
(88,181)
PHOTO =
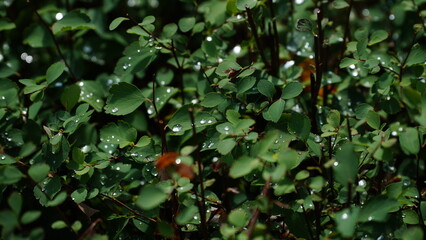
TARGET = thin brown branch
(127,207)
(255,216)
(54,40)
(201,203)
(256,37)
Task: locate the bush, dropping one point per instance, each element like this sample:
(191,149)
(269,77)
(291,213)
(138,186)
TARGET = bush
(237,119)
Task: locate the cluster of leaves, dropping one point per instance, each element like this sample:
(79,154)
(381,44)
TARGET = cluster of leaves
(237,119)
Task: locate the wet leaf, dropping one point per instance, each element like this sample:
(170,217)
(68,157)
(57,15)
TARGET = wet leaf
(304,25)
(150,197)
(124,99)
(186,24)
(116,22)
(378,36)
(292,90)
(118,133)
(243,166)
(346,165)
(39,171)
(409,141)
(72,21)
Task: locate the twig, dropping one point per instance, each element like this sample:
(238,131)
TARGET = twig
(89,230)
(148,32)
(401,71)
(349,128)
(202,203)
(255,216)
(179,69)
(419,189)
(346,35)
(419,15)
(127,207)
(164,148)
(276,47)
(256,36)
(54,40)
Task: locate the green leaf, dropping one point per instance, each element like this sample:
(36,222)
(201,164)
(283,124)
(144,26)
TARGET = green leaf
(410,217)
(143,141)
(70,96)
(212,99)
(243,4)
(10,174)
(72,21)
(302,175)
(413,233)
(169,30)
(151,196)
(187,215)
(346,62)
(92,93)
(56,155)
(378,36)
(346,165)
(377,209)
(409,141)
(186,24)
(30,216)
(120,133)
(8,93)
(76,226)
(243,166)
(147,20)
(266,88)
(292,90)
(274,111)
(340,4)
(226,66)
(116,22)
(38,171)
(54,71)
(15,202)
(225,146)
(124,98)
(79,195)
(238,217)
(346,221)
(181,120)
(362,110)
(6,24)
(59,224)
(417,55)
(373,119)
(304,25)
(299,125)
(333,118)
(37,36)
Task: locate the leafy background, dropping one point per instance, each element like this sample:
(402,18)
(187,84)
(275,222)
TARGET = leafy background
(237,119)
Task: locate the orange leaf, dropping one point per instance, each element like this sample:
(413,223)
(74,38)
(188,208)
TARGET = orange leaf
(166,160)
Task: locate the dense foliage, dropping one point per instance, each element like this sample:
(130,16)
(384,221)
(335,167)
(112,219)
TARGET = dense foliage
(215,119)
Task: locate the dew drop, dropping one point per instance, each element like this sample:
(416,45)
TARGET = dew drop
(317,139)
(345,216)
(177,128)
(114,110)
(203,121)
(178,161)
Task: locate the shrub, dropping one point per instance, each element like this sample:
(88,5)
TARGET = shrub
(237,119)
